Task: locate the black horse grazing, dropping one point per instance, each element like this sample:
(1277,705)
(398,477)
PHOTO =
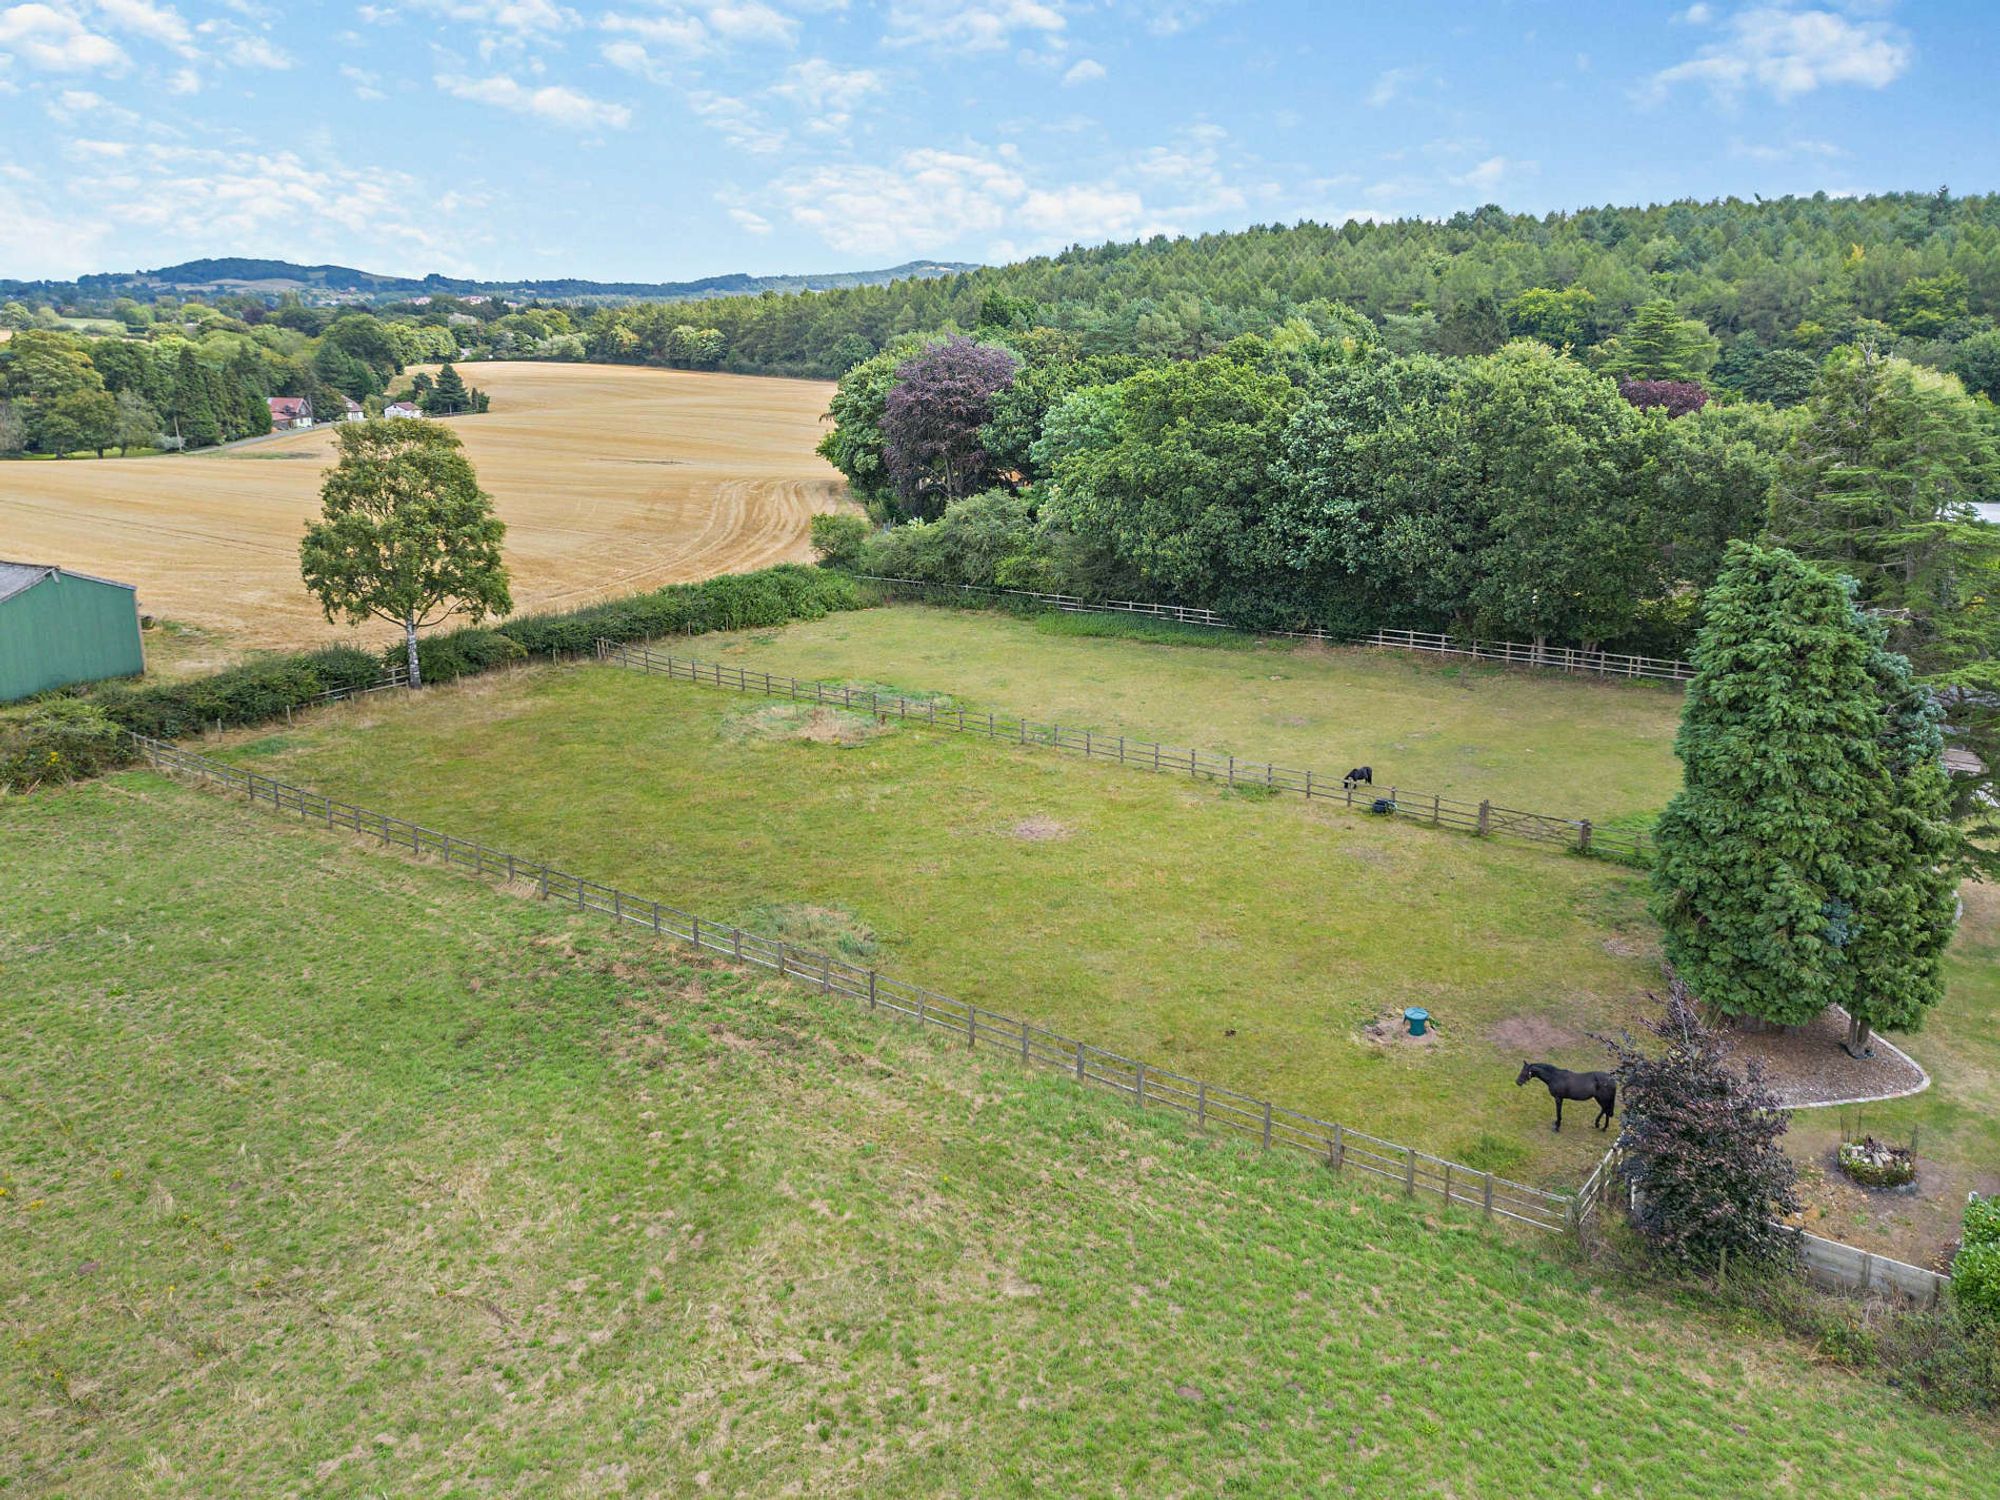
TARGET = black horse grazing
(1563,1084)
(1359,776)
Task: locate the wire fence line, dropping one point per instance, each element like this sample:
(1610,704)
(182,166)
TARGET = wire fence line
(1209,1106)
(1484,818)
(1507,653)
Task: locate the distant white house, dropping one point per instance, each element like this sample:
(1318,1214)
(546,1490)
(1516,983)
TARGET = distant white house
(1988,510)
(289,411)
(402,409)
(351,411)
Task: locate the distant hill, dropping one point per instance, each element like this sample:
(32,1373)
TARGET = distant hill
(277,278)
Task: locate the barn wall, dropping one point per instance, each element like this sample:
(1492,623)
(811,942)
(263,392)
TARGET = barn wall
(64,630)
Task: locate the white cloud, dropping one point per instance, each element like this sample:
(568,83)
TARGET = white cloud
(56,40)
(551,102)
(245,49)
(931,199)
(1390,84)
(158,23)
(74,106)
(367,85)
(751,21)
(519,17)
(825,93)
(37,241)
(1792,52)
(1086,70)
(1696,15)
(1487,175)
(818,84)
(737,121)
(748,222)
(1767,151)
(685,33)
(149,204)
(971,25)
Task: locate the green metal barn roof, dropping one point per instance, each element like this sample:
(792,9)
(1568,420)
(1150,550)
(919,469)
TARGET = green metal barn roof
(16,576)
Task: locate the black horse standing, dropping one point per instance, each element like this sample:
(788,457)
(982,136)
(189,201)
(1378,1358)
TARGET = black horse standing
(1563,1084)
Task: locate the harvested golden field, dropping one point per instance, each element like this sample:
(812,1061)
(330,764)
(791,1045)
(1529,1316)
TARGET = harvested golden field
(610,478)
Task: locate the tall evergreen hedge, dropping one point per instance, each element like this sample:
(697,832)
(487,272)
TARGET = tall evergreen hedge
(1808,859)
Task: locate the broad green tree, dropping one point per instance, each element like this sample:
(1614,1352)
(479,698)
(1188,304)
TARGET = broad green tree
(405,533)
(1570,544)
(1372,500)
(1180,483)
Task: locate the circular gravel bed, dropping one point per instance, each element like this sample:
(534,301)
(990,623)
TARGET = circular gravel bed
(1807,1066)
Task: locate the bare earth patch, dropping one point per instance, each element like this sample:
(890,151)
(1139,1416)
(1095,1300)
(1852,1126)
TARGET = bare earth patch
(810,724)
(1040,829)
(1533,1034)
(1390,1030)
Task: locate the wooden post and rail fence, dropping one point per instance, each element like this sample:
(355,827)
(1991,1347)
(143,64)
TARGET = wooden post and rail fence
(1210,1106)
(1484,818)
(1504,653)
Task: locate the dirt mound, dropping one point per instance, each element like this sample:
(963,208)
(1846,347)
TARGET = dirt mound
(1390,1030)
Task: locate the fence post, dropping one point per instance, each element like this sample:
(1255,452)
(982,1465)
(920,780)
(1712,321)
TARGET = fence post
(1485,817)
(1024,1044)
(826,974)
(1409,1171)
(1434,809)
(1139,1073)
(871,989)
(971,1028)
(1232,770)
(1267,1124)
(781,960)
(1486,1196)
(1309,786)
(1079,1062)
(1447,1184)
(1201,1105)
(544,892)
(617,896)
(1583,837)
(1339,1145)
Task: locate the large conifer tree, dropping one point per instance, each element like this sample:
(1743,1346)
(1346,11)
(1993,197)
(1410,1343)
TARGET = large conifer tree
(1807,860)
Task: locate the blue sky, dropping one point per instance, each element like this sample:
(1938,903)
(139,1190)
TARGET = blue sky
(654,139)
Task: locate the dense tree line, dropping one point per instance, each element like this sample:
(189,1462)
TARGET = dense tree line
(1774,284)
(1318,478)
(193,375)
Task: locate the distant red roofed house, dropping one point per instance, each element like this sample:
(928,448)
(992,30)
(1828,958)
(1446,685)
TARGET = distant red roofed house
(351,411)
(402,409)
(290,411)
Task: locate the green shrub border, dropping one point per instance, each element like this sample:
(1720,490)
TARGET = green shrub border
(262,690)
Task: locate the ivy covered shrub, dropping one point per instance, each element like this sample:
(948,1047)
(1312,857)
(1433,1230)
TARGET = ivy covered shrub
(837,540)
(60,741)
(1975,1273)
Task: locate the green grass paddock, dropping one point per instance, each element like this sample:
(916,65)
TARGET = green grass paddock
(330,1173)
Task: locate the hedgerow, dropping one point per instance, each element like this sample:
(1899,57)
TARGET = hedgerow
(57,742)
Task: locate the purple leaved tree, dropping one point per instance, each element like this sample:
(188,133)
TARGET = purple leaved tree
(931,421)
(1679,397)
